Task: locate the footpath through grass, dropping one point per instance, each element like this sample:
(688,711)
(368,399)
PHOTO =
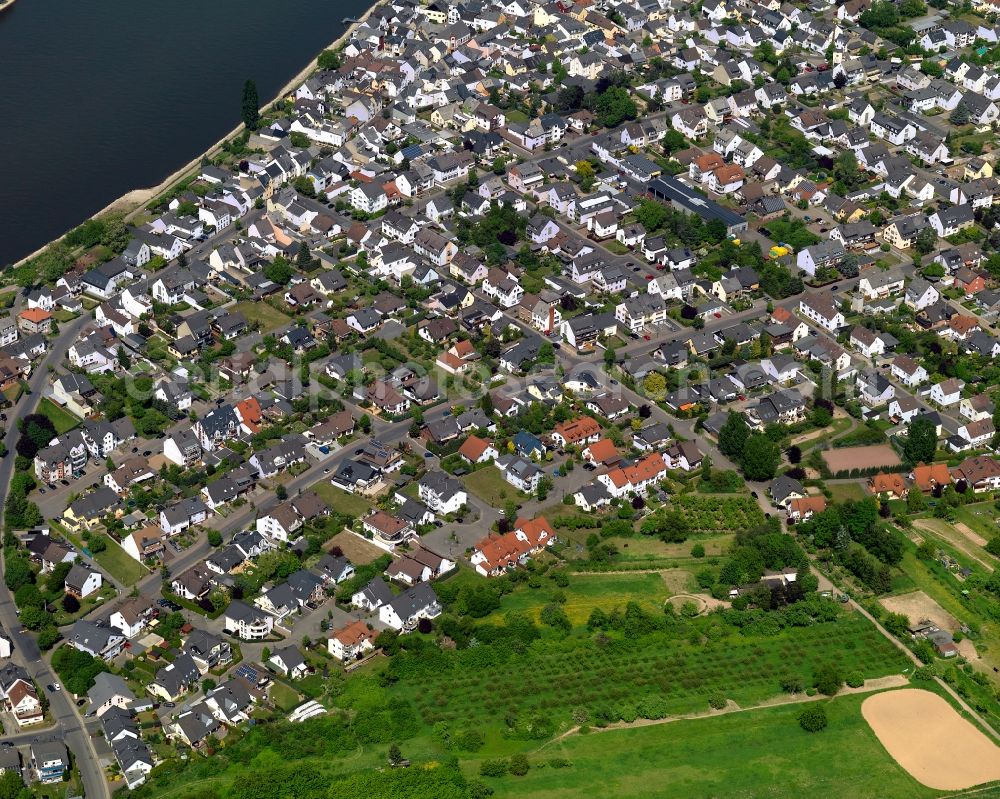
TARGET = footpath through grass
(758,753)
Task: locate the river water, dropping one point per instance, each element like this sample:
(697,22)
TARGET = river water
(98,98)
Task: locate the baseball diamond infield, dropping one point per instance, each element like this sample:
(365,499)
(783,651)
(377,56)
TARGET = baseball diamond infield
(928,738)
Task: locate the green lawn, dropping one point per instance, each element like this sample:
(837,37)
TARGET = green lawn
(352,504)
(488,484)
(759,753)
(269,318)
(62,420)
(649,552)
(114,560)
(120,565)
(845,491)
(13,394)
(588,591)
(284,697)
(836,427)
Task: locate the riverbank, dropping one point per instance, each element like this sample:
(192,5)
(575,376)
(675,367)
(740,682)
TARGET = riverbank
(134,201)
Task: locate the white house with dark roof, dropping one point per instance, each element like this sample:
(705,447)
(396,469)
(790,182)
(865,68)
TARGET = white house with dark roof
(823,312)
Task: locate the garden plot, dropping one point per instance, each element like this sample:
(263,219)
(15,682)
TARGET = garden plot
(718,513)
(917,606)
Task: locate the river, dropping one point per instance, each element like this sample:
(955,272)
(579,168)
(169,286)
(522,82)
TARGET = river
(99,98)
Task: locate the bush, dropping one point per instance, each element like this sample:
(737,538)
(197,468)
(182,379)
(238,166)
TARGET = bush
(493,768)
(792,684)
(652,707)
(469,740)
(812,717)
(479,790)
(519,764)
(855,679)
(70,603)
(697,551)
(48,637)
(558,762)
(828,679)
(717,701)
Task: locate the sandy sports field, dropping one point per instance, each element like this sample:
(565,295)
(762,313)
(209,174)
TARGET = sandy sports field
(929,739)
(847,458)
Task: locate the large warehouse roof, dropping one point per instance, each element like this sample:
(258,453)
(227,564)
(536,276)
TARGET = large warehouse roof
(672,190)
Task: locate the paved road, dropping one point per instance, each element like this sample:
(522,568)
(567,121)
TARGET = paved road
(69,725)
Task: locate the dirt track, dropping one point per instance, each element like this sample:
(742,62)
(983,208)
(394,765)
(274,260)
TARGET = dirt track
(929,739)
(876,684)
(971,534)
